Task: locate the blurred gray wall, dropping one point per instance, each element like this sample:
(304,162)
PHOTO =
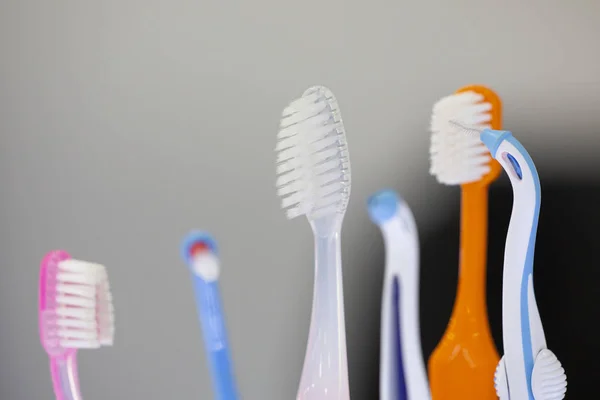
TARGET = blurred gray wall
(125,123)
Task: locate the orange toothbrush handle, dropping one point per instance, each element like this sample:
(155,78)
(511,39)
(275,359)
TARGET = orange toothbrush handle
(462,366)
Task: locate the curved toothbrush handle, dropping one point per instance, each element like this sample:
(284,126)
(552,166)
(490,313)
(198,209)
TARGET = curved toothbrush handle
(402,287)
(523,334)
(215,338)
(64,377)
(518,292)
(325,371)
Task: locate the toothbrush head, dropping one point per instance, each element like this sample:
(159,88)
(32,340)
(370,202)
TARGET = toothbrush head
(456,158)
(313,166)
(199,251)
(75,305)
(383,206)
(493,139)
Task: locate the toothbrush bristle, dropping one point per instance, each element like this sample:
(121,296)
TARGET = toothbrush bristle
(458,157)
(78,309)
(313,167)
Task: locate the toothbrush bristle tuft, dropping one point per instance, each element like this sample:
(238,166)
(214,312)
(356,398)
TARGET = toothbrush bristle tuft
(79,310)
(313,167)
(458,157)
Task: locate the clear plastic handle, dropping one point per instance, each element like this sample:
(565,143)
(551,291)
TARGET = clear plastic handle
(65,378)
(325,372)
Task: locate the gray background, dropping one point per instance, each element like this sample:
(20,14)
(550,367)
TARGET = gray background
(125,123)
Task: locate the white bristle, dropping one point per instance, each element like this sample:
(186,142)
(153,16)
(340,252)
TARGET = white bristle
(313,167)
(458,158)
(83,316)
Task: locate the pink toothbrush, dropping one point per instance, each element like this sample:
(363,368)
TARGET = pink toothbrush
(75,312)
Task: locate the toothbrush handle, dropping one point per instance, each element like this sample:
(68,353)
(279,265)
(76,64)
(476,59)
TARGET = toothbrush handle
(325,371)
(215,338)
(407,302)
(453,374)
(392,382)
(471,291)
(522,330)
(64,377)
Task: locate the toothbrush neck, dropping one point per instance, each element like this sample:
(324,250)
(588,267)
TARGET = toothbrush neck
(471,291)
(401,248)
(210,313)
(64,376)
(326,227)
(521,236)
(328,301)
(327,337)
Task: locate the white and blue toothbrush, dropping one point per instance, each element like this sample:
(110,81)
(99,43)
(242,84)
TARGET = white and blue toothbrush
(528,370)
(199,251)
(402,368)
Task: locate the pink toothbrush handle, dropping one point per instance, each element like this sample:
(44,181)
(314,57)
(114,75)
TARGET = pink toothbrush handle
(65,380)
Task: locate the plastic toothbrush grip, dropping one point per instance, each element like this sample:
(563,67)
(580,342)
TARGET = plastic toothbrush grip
(215,338)
(467,374)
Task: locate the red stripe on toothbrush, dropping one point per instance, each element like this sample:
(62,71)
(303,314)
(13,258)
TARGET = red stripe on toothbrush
(198,248)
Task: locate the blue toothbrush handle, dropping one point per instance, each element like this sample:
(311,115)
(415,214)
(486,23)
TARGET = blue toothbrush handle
(215,338)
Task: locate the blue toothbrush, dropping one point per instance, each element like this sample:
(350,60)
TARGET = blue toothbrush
(199,251)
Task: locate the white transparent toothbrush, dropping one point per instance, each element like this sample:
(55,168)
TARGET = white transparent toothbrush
(314,180)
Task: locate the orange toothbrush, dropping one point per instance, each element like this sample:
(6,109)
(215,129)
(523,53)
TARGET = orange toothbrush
(462,365)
